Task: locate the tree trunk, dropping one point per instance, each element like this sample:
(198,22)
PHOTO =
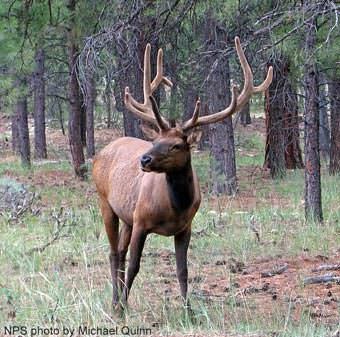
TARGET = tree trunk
(282,121)
(221,134)
(324,135)
(245,115)
(61,118)
(334,93)
(75,110)
(189,101)
(275,145)
(208,37)
(90,103)
(40,151)
(133,78)
(132,75)
(293,155)
(83,122)
(313,208)
(24,141)
(107,100)
(15,133)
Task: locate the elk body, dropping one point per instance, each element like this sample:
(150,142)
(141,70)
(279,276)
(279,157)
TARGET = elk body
(151,186)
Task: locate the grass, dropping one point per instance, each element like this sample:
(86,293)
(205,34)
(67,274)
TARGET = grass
(15,167)
(68,283)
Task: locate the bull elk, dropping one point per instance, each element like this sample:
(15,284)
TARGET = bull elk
(151,186)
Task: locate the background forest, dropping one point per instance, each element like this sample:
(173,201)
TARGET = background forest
(269,175)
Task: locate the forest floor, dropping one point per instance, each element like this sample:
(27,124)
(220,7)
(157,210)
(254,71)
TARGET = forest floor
(248,259)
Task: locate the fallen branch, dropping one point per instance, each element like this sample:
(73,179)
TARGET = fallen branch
(327,267)
(276,271)
(321,279)
(40,249)
(62,223)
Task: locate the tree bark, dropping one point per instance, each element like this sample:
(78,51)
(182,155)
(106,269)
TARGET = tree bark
(274,102)
(107,99)
(90,103)
(40,150)
(132,75)
(189,100)
(133,78)
(313,207)
(324,134)
(221,134)
(293,154)
(282,121)
(208,31)
(61,118)
(75,109)
(334,93)
(15,133)
(24,141)
(83,121)
(245,115)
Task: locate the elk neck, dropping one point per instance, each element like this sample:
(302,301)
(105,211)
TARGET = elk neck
(181,187)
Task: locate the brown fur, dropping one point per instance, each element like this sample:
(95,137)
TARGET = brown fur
(142,201)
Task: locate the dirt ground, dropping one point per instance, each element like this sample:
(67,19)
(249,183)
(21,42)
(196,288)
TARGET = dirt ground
(252,287)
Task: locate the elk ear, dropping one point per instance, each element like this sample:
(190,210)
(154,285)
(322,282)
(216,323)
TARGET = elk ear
(194,137)
(149,133)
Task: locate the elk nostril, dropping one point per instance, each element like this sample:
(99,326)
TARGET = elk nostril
(145,160)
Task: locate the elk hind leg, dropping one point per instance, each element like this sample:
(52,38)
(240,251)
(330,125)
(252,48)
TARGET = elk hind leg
(124,241)
(111,222)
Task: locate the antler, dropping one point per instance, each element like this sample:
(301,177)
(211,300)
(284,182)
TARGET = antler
(145,110)
(237,101)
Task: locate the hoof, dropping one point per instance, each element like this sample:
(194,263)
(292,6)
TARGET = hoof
(119,309)
(190,312)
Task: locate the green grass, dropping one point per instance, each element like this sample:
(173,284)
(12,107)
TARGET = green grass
(68,284)
(249,150)
(15,167)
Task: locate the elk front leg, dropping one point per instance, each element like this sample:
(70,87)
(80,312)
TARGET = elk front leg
(181,247)
(111,222)
(136,247)
(124,241)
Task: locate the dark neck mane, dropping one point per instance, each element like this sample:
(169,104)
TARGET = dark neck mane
(181,187)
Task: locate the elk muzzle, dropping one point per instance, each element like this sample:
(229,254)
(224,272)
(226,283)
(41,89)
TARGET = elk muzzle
(145,162)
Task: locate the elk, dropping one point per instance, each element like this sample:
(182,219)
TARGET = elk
(151,186)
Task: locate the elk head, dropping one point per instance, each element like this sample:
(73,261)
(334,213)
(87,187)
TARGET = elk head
(171,145)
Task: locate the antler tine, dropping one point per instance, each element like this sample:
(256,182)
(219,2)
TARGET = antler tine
(193,120)
(136,104)
(145,110)
(248,88)
(162,125)
(147,75)
(203,120)
(159,76)
(237,101)
(247,73)
(266,83)
(196,113)
(130,102)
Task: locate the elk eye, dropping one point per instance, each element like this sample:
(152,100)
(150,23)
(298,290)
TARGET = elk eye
(176,147)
